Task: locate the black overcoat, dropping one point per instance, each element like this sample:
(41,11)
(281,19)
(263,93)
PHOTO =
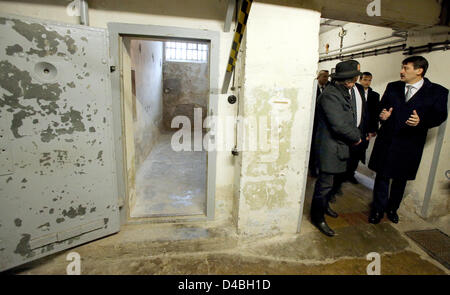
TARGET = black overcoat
(373,101)
(398,147)
(336,129)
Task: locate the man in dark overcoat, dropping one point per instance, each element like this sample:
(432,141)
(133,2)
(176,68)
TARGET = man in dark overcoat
(336,131)
(408,109)
(357,153)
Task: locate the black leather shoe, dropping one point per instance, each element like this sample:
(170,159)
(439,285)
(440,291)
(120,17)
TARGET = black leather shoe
(375,217)
(392,216)
(352,179)
(324,228)
(331,213)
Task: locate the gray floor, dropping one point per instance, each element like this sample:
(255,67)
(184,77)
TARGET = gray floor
(171,183)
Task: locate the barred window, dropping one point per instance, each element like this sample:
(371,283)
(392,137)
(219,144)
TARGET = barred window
(186,52)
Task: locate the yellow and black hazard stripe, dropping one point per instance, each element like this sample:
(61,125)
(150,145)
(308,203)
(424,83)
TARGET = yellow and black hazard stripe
(242,22)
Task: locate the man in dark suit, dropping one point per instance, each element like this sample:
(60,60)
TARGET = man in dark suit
(373,101)
(322,82)
(336,131)
(368,125)
(409,108)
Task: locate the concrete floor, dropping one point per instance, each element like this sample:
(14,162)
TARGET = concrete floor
(209,248)
(171,183)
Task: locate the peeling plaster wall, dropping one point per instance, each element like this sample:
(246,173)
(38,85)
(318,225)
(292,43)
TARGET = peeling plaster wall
(188,88)
(146,60)
(279,71)
(385,69)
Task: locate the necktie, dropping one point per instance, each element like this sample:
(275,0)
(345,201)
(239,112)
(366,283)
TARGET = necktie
(408,92)
(353,101)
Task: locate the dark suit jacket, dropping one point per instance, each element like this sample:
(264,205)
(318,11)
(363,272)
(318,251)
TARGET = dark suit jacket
(318,89)
(359,151)
(336,129)
(398,147)
(373,101)
(315,116)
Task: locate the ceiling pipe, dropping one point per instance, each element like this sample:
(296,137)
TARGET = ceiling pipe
(84,12)
(393,35)
(362,54)
(361,49)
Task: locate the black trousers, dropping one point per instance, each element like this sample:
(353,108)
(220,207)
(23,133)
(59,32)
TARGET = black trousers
(382,199)
(312,162)
(322,189)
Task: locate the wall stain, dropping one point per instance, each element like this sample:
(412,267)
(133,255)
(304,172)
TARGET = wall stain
(45,40)
(72,213)
(10,50)
(23,247)
(44,225)
(18,222)
(270,193)
(19,84)
(44,160)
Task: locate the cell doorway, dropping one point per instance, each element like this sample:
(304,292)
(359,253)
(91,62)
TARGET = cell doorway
(166,89)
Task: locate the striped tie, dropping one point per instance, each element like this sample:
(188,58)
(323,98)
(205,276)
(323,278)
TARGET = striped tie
(408,92)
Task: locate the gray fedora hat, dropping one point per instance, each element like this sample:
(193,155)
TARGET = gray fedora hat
(346,69)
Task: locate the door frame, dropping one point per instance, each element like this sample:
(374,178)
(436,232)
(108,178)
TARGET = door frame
(116,31)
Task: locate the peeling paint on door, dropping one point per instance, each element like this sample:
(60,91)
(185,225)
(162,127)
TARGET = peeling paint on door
(52,124)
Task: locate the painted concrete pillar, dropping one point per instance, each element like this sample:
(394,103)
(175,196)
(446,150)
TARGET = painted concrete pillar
(279,66)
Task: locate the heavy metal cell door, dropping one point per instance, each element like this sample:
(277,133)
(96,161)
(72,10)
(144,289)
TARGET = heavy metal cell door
(58,185)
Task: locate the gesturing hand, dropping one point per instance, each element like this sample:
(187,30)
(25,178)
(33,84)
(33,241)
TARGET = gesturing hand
(384,115)
(413,119)
(356,143)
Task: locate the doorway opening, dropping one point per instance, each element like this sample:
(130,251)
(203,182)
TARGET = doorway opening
(163,79)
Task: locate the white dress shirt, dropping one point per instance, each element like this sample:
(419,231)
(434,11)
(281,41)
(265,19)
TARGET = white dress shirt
(415,87)
(358,105)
